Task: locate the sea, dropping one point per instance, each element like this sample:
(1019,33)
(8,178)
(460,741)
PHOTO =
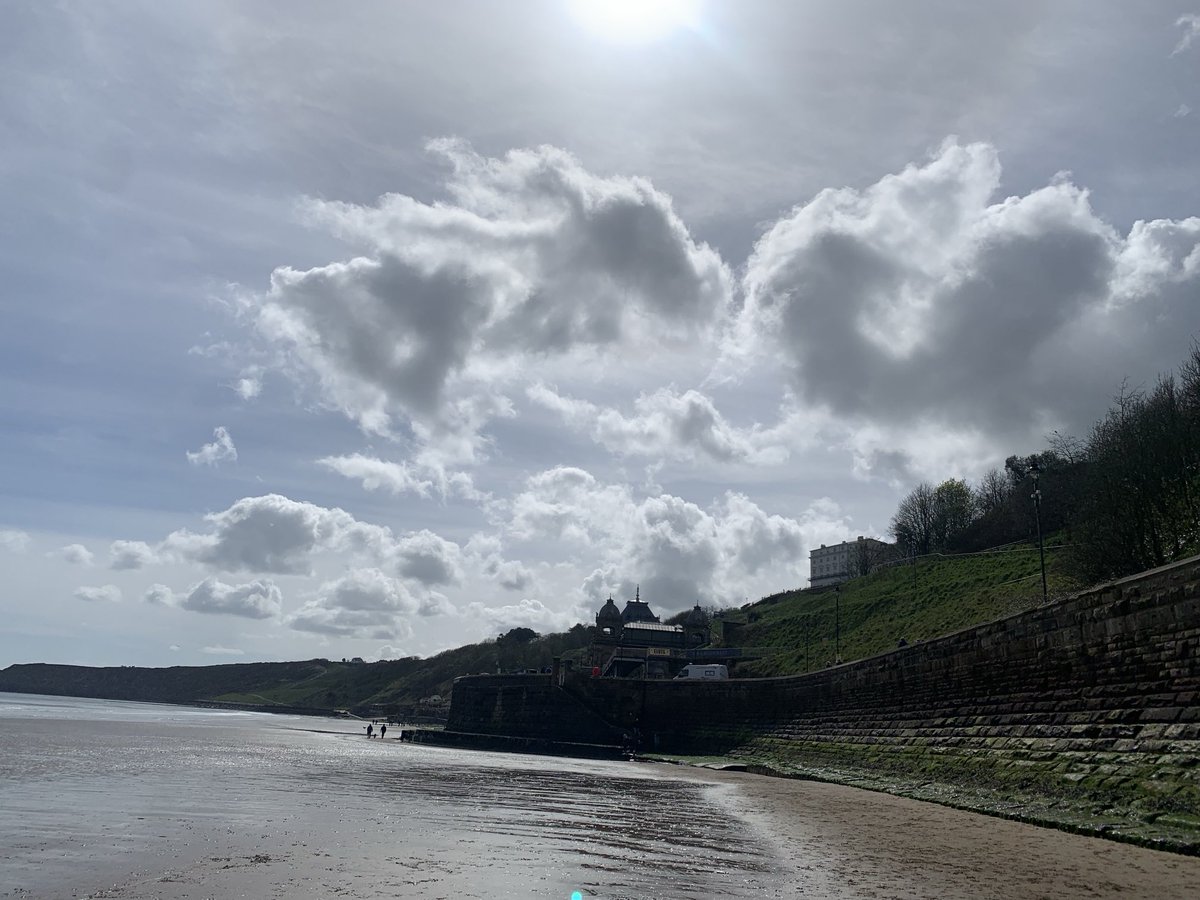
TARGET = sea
(111,799)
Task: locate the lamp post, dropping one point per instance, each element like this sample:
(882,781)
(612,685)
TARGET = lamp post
(1036,471)
(837,624)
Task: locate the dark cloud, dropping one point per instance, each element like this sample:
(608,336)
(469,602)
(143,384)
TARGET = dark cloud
(534,256)
(922,297)
(429,559)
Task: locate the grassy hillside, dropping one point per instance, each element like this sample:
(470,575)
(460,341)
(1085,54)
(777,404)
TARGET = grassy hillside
(913,602)
(795,632)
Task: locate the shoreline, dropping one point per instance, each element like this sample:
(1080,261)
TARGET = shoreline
(1174,834)
(1058,813)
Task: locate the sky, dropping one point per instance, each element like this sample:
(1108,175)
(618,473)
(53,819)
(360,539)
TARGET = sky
(373,329)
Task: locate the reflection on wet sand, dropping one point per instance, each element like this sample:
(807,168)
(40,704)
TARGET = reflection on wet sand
(179,809)
(131,802)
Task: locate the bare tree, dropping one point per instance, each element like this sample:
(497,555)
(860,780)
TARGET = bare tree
(913,524)
(991,492)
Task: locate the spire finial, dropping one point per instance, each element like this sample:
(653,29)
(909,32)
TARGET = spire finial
(637,594)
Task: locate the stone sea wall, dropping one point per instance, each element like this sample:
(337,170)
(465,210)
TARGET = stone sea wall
(1096,696)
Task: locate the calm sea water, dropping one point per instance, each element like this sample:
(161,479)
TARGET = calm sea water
(113,799)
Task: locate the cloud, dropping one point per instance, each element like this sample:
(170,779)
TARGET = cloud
(249,383)
(222,651)
(921,302)
(16,541)
(423,476)
(679,552)
(259,599)
(666,423)
(75,554)
(532,257)
(510,574)
(428,558)
(107,593)
(275,534)
(377,474)
(220,450)
(1190,23)
(1182,111)
(160,595)
(130,555)
(362,603)
(526,614)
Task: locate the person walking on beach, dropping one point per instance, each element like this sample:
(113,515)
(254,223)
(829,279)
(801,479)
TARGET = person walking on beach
(382,731)
(370,731)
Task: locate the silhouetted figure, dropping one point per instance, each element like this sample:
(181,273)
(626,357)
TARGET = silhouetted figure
(382,731)
(370,731)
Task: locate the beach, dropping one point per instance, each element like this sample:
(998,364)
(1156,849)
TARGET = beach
(134,801)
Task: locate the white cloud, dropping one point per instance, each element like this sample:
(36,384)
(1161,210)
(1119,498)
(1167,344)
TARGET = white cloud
(75,554)
(16,541)
(107,593)
(1190,23)
(526,614)
(273,533)
(423,476)
(260,599)
(249,383)
(919,302)
(1182,111)
(130,555)
(363,603)
(679,552)
(377,474)
(533,257)
(160,595)
(510,574)
(220,450)
(666,423)
(222,651)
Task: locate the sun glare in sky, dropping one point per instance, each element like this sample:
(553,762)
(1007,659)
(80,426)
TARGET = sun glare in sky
(634,20)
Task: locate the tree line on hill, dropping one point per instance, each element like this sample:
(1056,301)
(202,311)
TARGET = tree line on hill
(1125,498)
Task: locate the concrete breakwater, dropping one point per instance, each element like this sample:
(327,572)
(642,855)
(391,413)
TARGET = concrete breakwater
(1090,704)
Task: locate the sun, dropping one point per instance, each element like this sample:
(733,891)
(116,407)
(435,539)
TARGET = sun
(634,20)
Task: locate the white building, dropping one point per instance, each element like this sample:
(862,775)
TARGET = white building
(841,562)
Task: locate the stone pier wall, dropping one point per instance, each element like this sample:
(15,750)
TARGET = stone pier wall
(1096,695)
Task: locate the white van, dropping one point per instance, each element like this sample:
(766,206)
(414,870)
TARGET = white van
(703,672)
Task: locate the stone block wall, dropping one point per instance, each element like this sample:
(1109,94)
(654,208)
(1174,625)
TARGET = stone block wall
(1098,694)
(526,706)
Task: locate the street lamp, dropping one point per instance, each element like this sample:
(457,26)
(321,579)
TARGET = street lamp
(837,624)
(1036,471)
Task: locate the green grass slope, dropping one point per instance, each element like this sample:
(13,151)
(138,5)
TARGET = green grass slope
(798,631)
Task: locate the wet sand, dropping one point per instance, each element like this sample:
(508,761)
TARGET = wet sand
(847,842)
(813,840)
(130,805)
